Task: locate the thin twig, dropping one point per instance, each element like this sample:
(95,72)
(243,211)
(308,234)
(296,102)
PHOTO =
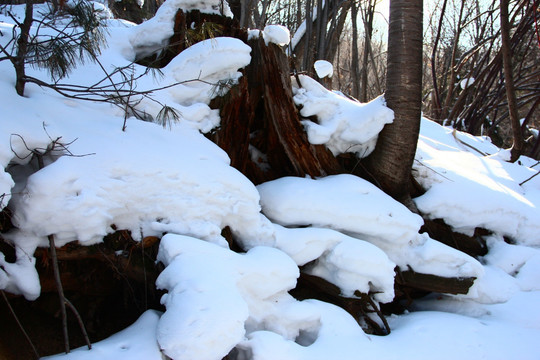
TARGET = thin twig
(60,289)
(379,313)
(80,321)
(19,324)
(523,182)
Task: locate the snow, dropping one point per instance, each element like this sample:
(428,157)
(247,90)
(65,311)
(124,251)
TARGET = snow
(358,208)
(465,83)
(323,69)
(469,188)
(194,77)
(136,342)
(343,125)
(175,183)
(276,34)
(153,35)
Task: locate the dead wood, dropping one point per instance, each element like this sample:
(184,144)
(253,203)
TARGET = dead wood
(433,283)
(471,245)
(360,307)
(260,125)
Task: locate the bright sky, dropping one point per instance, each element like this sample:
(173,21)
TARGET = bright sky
(383,11)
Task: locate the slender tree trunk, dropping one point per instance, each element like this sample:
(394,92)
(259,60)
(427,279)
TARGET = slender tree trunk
(22,48)
(453,73)
(391,162)
(436,94)
(355,71)
(517,147)
(367,17)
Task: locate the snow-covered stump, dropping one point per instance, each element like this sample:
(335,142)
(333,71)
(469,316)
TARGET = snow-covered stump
(189,27)
(260,111)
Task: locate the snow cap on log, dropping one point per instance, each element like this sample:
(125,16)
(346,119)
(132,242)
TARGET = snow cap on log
(153,35)
(276,34)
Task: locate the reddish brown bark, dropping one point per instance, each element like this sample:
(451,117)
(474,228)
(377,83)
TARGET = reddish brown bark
(260,112)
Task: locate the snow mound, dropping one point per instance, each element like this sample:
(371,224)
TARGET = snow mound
(136,342)
(343,125)
(341,202)
(357,208)
(80,198)
(349,263)
(194,77)
(471,188)
(246,295)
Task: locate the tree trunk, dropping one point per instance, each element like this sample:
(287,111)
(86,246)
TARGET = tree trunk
(260,125)
(517,147)
(355,71)
(390,164)
(22,48)
(367,16)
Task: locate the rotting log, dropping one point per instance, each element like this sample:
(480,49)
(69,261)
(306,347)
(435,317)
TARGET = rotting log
(471,245)
(433,283)
(311,286)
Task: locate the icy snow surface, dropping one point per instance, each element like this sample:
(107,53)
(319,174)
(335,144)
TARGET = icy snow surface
(153,181)
(343,125)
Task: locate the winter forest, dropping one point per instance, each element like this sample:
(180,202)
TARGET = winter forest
(269,180)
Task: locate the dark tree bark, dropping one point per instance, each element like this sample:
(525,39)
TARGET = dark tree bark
(517,147)
(391,162)
(19,62)
(355,71)
(367,16)
(260,115)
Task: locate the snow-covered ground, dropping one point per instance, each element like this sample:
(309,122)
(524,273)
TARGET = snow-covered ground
(153,181)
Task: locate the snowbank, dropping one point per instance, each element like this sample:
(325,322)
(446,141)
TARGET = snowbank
(356,207)
(469,188)
(153,181)
(241,299)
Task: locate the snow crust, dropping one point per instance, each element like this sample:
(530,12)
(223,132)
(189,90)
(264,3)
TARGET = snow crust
(343,125)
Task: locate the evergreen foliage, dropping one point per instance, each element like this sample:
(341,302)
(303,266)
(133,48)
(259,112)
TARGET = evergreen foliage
(78,37)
